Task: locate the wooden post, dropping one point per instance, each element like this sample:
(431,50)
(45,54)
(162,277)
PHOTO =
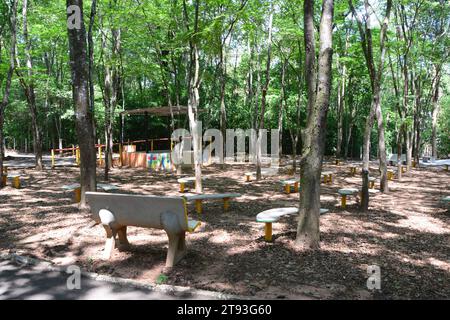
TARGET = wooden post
(120,154)
(53,159)
(198,206)
(268,232)
(343,201)
(77,156)
(226,204)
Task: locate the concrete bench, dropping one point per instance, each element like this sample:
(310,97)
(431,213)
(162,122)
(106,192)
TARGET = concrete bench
(372,182)
(118,211)
(273,215)
(390,174)
(184,181)
(446,200)
(199,198)
(327,177)
(76,188)
(15,180)
(290,183)
(264,172)
(345,193)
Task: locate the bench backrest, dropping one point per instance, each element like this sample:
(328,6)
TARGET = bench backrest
(138,210)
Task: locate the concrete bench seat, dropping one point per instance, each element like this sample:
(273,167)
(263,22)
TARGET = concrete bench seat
(266,172)
(372,182)
(327,177)
(446,200)
(15,180)
(345,193)
(390,174)
(76,188)
(273,215)
(199,198)
(118,211)
(184,181)
(290,183)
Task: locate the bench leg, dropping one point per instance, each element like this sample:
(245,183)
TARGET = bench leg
(226,204)
(182,187)
(16,182)
(287,188)
(198,206)
(268,231)
(330,178)
(77,195)
(177,249)
(247,178)
(110,243)
(371,184)
(296,187)
(4,181)
(122,234)
(343,201)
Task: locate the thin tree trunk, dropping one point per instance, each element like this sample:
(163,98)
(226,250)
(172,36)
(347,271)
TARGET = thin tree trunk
(264,90)
(5,99)
(308,233)
(83,115)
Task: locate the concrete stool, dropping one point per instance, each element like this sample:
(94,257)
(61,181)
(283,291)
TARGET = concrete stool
(344,193)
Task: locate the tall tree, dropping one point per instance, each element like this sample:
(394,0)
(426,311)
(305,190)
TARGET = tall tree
(6,93)
(193,91)
(375,74)
(80,88)
(308,234)
(29,89)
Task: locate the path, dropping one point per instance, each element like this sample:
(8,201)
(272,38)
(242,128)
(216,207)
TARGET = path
(27,282)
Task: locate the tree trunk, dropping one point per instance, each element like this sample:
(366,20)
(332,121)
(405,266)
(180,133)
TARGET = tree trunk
(194,97)
(28,86)
(83,115)
(436,109)
(308,235)
(264,90)
(5,99)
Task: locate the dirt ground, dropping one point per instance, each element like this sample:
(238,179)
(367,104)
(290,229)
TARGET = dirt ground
(406,233)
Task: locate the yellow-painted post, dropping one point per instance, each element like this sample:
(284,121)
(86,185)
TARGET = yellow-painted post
(344,201)
(77,195)
(268,231)
(77,156)
(100,155)
(247,178)
(198,206)
(296,186)
(4,177)
(53,159)
(182,187)
(226,204)
(287,188)
(120,154)
(16,182)
(371,184)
